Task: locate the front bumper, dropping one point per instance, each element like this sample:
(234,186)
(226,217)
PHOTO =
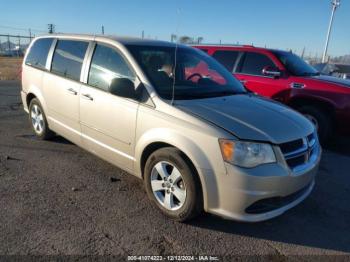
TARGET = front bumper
(241,191)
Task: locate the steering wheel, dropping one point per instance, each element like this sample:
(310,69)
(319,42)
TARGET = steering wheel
(193,75)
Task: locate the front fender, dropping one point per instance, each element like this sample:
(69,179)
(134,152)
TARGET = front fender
(203,165)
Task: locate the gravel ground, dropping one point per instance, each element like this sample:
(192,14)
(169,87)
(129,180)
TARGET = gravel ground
(56,199)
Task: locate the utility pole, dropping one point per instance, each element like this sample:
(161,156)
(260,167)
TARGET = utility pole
(103,30)
(51,28)
(8,42)
(143,34)
(30,35)
(303,52)
(19,45)
(335,4)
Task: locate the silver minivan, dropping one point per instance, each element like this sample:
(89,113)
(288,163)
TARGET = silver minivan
(174,117)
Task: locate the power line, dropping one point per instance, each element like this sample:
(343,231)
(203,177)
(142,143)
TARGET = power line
(22,29)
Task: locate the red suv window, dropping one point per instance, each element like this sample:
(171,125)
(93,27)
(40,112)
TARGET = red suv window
(253,63)
(227,58)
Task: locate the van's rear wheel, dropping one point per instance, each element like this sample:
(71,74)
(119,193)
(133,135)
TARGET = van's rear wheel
(38,120)
(172,184)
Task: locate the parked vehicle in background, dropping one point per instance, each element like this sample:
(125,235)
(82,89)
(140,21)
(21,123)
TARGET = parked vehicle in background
(337,70)
(285,77)
(197,141)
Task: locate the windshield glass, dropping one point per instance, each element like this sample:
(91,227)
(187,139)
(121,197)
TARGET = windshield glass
(295,65)
(197,75)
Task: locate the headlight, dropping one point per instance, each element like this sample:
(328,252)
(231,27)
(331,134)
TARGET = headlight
(246,154)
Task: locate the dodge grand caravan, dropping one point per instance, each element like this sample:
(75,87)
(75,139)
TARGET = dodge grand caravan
(285,77)
(199,142)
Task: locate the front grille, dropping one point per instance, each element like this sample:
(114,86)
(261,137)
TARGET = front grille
(291,146)
(296,161)
(269,204)
(299,152)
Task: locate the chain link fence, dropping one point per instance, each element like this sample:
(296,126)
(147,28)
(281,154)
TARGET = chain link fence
(14,45)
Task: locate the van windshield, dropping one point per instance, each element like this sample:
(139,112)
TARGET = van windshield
(196,75)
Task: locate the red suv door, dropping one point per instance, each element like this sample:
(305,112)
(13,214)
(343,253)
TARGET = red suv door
(250,72)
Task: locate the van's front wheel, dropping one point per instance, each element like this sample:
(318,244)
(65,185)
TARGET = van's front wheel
(172,185)
(38,120)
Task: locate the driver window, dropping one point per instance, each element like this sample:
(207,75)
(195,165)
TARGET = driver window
(106,65)
(254,63)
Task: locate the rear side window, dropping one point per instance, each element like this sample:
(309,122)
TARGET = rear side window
(254,63)
(38,53)
(68,58)
(226,58)
(106,65)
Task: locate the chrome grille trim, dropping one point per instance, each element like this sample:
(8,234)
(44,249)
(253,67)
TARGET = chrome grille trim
(297,152)
(304,156)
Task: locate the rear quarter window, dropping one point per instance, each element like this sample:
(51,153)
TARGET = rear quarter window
(37,55)
(227,58)
(68,58)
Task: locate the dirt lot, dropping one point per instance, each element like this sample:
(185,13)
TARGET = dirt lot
(57,199)
(10,68)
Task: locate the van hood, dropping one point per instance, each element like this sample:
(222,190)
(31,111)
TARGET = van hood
(333,80)
(250,117)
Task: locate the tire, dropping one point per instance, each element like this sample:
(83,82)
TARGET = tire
(38,120)
(185,192)
(321,120)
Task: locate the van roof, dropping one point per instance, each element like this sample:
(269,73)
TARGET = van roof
(125,40)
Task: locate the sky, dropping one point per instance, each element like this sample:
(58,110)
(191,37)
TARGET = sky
(283,24)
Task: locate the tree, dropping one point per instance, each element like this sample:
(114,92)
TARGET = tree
(199,39)
(186,39)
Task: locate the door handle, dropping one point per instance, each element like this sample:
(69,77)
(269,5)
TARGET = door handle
(72,91)
(243,81)
(87,96)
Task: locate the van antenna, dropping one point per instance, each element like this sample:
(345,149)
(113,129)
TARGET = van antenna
(175,56)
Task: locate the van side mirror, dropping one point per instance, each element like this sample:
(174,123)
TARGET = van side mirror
(123,87)
(271,72)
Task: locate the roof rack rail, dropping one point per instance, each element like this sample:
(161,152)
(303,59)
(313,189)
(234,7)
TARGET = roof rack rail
(218,44)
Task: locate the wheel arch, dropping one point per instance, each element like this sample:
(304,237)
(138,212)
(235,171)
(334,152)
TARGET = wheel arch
(29,98)
(325,105)
(192,154)
(35,92)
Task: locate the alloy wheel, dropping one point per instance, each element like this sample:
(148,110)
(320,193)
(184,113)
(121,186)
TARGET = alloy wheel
(168,185)
(37,119)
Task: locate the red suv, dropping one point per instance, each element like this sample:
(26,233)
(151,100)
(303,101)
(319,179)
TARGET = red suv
(287,78)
